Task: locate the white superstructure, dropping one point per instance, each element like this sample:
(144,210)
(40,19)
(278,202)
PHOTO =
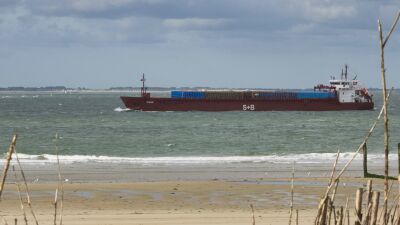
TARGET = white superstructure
(347,90)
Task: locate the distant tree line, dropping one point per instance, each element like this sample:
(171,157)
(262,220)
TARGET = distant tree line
(49,88)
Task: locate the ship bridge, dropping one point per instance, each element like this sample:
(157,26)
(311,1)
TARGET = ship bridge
(349,90)
(344,84)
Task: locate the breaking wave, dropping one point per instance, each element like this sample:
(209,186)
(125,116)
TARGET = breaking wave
(308,158)
(119,109)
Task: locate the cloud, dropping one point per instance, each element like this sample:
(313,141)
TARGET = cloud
(195,23)
(126,8)
(320,11)
(116,22)
(8,3)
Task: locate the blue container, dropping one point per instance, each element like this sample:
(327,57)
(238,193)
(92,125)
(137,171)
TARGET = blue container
(176,94)
(315,95)
(188,94)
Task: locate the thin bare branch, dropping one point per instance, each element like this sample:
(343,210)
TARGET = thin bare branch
(382,212)
(60,182)
(385,122)
(55,206)
(252,211)
(368,135)
(398,200)
(334,167)
(291,196)
(10,152)
(334,191)
(26,189)
(392,28)
(20,196)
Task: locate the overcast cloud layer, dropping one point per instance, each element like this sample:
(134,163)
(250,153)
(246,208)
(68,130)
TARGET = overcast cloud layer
(219,43)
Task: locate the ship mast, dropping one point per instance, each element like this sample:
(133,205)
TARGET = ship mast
(143,90)
(341,75)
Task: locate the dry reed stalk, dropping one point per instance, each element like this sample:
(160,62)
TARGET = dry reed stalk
(334,167)
(385,121)
(317,219)
(252,211)
(60,186)
(388,217)
(291,196)
(297,216)
(369,196)
(330,214)
(334,214)
(334,191)
(55,206)
(393,209)
(366,215)
(357,219)
(26,188)
(368,135)
(322,220)
(369,191)
(392,215)
(348,216)
(398,200)
(382,212)
(341,216)
(397,220)
(11,150)
(383,43)
(392,28)
(20,196)
(358,204)
(375,207)
(328,203)
(336,180)
(346,206)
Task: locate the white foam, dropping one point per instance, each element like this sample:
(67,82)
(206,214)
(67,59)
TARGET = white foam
(187,160)
(119,109)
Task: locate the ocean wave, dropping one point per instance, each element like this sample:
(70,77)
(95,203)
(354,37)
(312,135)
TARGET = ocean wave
(308,158)
(18,96)
(119,109)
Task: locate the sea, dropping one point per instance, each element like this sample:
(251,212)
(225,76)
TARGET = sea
(96,127)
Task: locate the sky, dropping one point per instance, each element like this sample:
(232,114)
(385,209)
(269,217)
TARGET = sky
(215,43)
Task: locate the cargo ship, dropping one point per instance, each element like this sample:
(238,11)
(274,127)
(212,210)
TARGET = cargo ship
(339,94)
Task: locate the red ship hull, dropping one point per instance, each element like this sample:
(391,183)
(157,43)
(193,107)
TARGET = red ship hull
(170,104)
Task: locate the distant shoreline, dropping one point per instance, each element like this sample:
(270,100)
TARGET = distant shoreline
(136,89)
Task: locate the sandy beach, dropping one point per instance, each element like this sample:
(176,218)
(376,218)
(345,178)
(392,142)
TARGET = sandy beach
(212,202)
(111,193)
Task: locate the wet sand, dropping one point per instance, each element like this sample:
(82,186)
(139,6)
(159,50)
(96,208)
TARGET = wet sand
(179,202)
(100,193)
(95,172)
